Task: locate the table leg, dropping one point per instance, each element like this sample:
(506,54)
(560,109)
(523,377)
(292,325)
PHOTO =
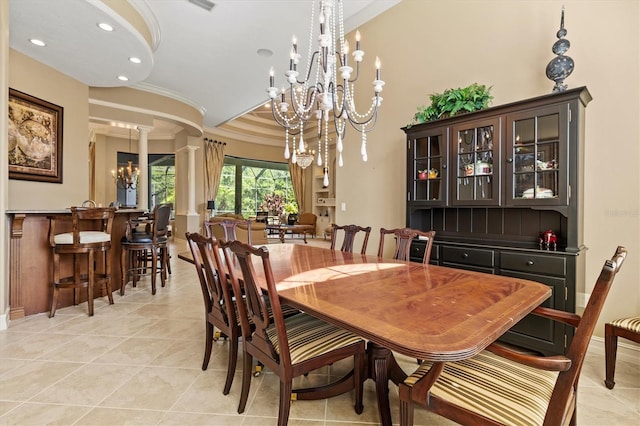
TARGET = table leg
(281,233)
(382,368)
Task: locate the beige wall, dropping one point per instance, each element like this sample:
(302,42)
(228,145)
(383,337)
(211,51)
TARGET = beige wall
(429,46)
(37,79)
(4,160)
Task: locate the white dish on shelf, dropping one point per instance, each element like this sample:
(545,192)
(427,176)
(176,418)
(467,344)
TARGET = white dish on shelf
(539,193)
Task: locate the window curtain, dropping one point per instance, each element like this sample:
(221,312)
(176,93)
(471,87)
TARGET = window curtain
(213,162)
(298,183)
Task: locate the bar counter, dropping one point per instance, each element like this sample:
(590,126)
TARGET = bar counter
(31,260)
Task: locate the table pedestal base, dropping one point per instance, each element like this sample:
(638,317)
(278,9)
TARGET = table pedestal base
(382,368)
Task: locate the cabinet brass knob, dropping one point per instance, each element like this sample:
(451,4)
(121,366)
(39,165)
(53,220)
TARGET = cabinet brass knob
(509,160)
(465,255)
(529,262)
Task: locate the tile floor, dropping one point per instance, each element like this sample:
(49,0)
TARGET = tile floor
(138,362)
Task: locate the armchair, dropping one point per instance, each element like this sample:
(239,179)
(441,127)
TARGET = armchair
(247,231)
(309,221)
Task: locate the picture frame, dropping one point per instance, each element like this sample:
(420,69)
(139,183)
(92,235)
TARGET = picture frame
(35,138)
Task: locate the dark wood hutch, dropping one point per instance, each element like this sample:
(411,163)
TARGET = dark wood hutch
(490,182)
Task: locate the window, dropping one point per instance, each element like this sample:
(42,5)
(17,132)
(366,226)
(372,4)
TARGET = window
(244,184)
(161,179)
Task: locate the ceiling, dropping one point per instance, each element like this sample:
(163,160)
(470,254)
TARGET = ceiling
(206,58)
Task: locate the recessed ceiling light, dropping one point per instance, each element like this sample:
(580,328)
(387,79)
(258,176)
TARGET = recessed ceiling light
(105,26)
(135,60)
(37,42)
(123,78)
(265,52)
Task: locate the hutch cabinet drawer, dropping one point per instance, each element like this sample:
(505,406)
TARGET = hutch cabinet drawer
(468,256)
(416,253)
(534,263)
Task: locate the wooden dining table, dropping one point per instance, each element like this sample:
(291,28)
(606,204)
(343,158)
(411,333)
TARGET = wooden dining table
(422,311)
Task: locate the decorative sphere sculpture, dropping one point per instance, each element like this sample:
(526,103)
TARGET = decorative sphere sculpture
(561,66)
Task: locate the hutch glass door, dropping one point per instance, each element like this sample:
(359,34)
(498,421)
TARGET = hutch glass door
(427,179)
(477,164)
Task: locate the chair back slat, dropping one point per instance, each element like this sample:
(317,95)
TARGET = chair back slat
(257,308)
(404,237)
(350,232)
(567,381)
(213,277)
(228,228)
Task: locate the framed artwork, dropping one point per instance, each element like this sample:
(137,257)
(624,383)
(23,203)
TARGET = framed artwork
(35,138)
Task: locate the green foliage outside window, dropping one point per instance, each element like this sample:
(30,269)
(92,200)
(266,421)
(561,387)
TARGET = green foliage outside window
(245,183)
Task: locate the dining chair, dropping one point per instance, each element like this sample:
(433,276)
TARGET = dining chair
(505,386)
(90,234)
(350,232)
(150,238)
(628,328)
(227,231)
(291,346)
(403,237)
(219,305)
(145,226)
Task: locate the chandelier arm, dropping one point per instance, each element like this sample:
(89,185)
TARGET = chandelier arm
(369,123)
(289,123)
(279,119)
(309,68)
(353,80)
(306,108)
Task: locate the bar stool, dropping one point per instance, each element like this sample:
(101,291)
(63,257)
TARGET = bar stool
(136,246)
(90,233)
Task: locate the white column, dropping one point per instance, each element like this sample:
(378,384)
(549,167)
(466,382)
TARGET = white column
(143,166)
(192,180)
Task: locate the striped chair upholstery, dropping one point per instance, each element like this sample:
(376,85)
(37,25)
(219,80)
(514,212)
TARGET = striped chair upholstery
(288,346)
(502,386)
(494,387)
(631,324)
(628,328)
(310,337)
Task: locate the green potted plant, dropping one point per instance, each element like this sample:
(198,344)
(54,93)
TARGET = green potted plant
(291,210)
(453,101)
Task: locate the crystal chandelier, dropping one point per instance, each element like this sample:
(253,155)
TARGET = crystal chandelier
(127,177)
(302,156)
(325,92)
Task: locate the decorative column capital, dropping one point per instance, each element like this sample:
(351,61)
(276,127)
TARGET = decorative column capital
(191,148)
(144,129)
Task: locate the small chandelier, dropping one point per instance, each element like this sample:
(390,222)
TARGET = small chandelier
(303,156)
(326,91)
(127,177)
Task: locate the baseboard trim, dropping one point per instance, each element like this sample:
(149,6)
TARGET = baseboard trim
(627,351)
(4,320)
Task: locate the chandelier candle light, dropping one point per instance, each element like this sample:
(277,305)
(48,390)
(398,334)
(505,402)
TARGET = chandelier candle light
(326,92)
(127,177)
